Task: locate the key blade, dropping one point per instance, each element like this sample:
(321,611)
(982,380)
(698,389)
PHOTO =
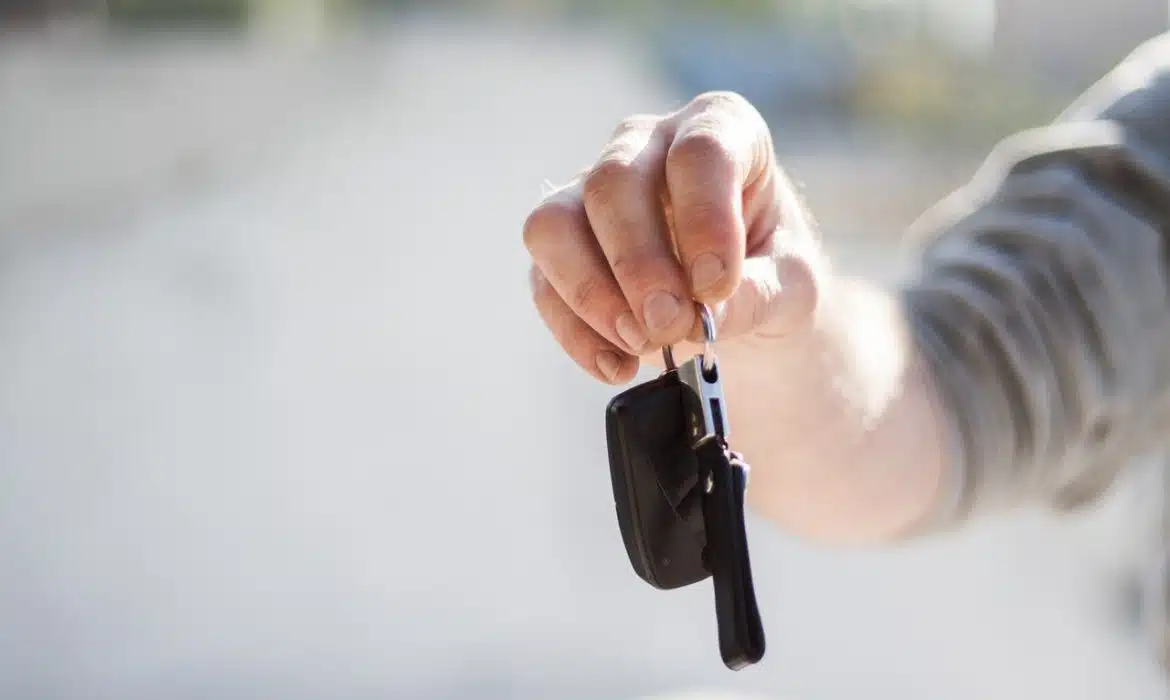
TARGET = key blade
(705,394)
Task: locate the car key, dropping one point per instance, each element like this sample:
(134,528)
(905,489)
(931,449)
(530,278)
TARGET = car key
(678,492)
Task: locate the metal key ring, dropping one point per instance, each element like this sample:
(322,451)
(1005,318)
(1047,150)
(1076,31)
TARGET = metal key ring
(668,358)
(708,321)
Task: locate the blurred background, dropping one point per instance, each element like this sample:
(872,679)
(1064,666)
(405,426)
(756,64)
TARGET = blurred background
(277,419)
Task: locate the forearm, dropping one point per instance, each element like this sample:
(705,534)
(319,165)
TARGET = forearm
(1025,362)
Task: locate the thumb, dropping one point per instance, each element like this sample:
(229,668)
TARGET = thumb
(776,296)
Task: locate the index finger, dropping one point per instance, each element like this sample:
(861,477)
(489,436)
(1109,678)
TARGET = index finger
(720,148)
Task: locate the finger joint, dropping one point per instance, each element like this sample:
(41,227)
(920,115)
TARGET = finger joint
(607,178)
(553,217)
(585,294)
(719,100)
(700,149)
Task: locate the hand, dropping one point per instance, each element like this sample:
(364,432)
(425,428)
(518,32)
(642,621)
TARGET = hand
(827,394)
(682,207)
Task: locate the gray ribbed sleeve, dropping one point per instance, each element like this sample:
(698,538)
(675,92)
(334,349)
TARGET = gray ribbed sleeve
(1042,300)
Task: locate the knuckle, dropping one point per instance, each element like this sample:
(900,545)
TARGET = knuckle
(636,123)
(586,295)
(552,217)
(708,224)
(636,268)
(581,342)
(610,175)
(720,100)
(700,148)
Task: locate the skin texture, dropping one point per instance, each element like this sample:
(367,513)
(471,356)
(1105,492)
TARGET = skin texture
(829,398)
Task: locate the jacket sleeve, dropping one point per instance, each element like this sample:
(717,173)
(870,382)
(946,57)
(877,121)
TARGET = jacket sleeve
(1041,303)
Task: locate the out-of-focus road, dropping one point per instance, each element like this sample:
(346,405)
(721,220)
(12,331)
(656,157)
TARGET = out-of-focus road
(277,420)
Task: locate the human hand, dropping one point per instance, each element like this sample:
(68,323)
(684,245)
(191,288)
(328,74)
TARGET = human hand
(681,207)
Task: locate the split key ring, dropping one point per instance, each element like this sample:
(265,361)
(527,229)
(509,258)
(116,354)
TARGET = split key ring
(708,321)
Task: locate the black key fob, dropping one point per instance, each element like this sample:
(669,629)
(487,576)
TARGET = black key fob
(679,493)
(655,477)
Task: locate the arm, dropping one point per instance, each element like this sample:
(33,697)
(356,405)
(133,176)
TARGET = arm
(1026,360)
(1042,317)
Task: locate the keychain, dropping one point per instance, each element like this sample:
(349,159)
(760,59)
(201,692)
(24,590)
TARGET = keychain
(679,492)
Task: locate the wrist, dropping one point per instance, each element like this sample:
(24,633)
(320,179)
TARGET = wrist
(839,420)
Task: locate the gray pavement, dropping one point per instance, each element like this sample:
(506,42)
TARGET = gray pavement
(282,424)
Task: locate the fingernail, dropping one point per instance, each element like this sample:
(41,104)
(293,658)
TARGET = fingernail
(706,272)
(630,333)
(660,311)
(609,364)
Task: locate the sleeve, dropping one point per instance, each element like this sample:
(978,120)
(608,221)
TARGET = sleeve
(1041,303)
